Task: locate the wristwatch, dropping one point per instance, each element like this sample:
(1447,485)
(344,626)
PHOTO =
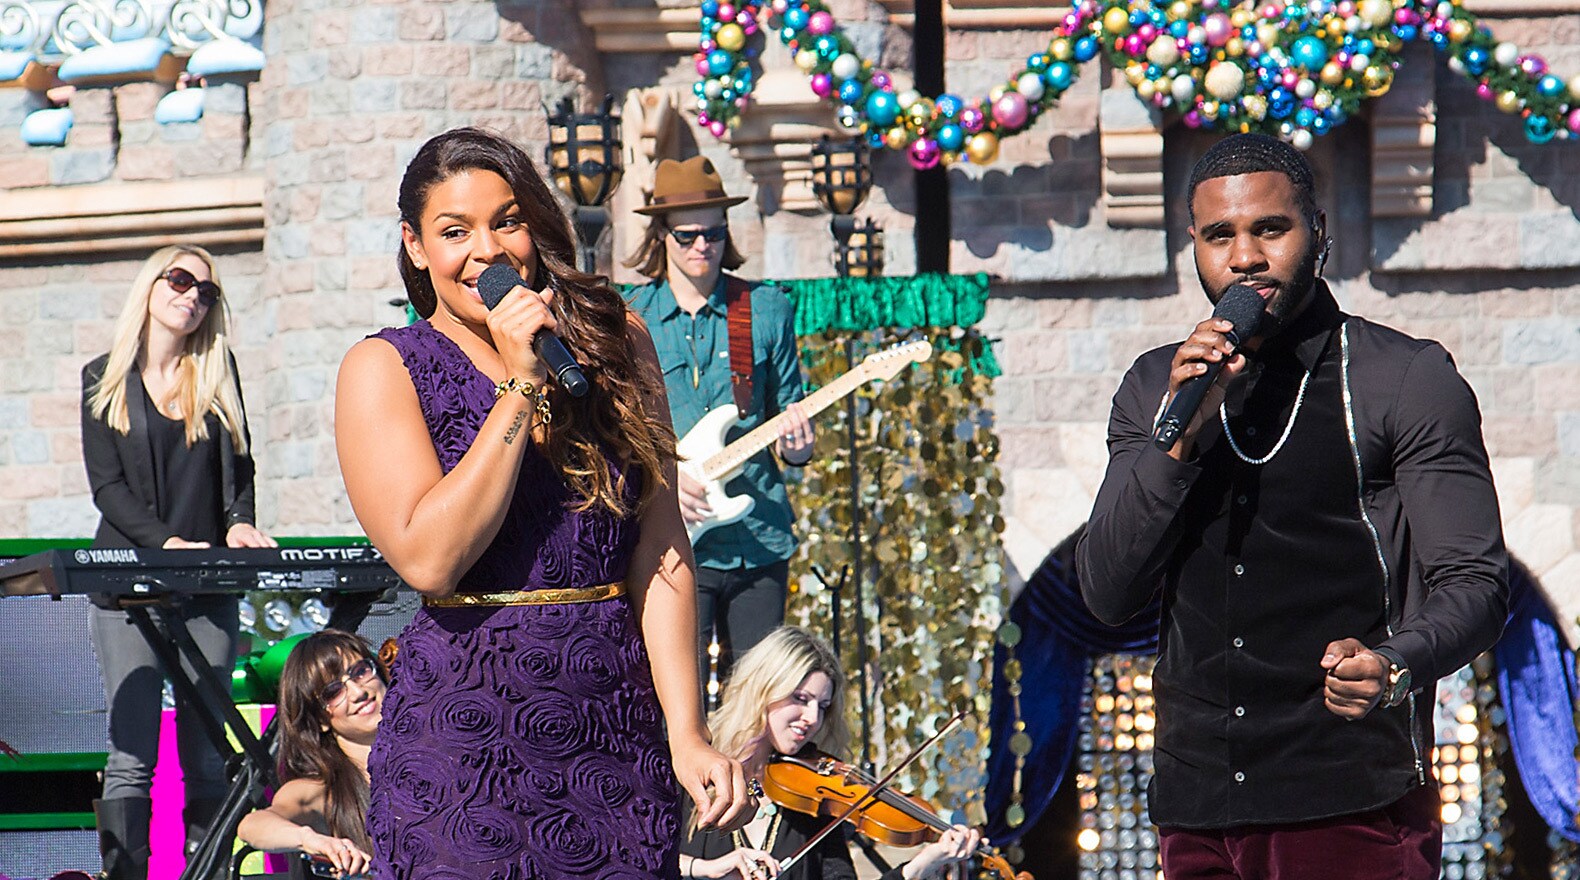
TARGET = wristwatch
(1399,683)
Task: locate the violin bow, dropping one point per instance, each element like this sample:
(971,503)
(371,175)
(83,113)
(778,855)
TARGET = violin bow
(872,792)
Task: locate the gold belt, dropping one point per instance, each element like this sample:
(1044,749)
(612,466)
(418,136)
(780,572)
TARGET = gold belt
(527,597)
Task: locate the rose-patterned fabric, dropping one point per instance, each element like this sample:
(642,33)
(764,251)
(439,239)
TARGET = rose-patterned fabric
(522,742)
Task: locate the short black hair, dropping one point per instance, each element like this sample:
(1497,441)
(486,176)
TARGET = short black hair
(1250,153)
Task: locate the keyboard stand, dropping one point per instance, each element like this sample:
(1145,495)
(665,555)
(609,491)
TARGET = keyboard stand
(251,770)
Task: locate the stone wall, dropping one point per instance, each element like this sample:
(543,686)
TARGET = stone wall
(310,155)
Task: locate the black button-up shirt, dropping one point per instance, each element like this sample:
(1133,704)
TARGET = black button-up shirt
(1375,519)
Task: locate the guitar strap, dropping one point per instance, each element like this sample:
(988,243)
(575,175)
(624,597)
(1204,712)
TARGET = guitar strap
(738,306)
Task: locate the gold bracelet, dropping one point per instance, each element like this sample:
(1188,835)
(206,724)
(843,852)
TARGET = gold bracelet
(539,394)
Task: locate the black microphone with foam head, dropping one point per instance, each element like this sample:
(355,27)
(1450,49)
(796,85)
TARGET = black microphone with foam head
(1241,306)
(498,280)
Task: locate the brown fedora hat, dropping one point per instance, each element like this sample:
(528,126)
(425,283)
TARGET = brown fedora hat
(693,183)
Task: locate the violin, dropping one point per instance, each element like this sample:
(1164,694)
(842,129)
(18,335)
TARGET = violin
(821,785)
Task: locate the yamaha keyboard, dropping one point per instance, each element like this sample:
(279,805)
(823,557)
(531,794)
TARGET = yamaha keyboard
(152,572)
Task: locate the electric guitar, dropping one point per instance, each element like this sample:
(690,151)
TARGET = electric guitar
(706,458)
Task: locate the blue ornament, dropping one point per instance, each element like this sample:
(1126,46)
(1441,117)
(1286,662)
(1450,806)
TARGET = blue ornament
(1280,103)
(1320,125)
(710,9)
(1309,53)
(850,91)
(1365,47)
(1550,86)
(1154,71)
(696,88)
(1475,60)
(1440,39)
(883,108)
(951,137)
(796,17)
(1248,33)
(875,139)
(1138,18)
(1406,32)
(1085,49)
(1178,29)
(1305,116)
(1036,62)
(1539,129)
(1198,53)
(949,106)
(1058,76)
(787,35)
(720,62)
(827,47)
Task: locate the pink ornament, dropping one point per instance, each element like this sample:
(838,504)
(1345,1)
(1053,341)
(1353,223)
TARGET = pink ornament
(1574,121)
(726,12)
(822,85)
(1345,9)
(1289,78)
(1405,17)
(880,80)
(1218,29)
(1147,33)
(716,128)
(750,27)
(743,17)
(1193,119)
(1272,10)
(741,102)
(972,119)
(1134,45)
(1071,23)
(703,119)
(779,7)
(1484,91)
(1533,65)
(1011,110)
(925,153)
(702,66)
(820,23)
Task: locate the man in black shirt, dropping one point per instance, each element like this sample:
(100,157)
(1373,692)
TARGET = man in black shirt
(1326,538)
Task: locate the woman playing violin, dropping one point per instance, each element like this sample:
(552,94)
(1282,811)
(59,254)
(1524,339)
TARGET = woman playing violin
(786,698)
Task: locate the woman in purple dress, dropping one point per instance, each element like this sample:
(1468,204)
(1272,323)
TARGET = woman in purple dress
(524,728)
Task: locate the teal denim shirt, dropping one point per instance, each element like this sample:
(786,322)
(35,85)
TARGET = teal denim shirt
(694,353)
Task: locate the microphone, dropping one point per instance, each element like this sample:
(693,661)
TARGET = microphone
(498,280)
(1241,306)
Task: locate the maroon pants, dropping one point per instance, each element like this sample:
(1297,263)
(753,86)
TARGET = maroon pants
(1402,841)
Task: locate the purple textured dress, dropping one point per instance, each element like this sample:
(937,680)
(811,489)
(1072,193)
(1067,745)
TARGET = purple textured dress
(520,742)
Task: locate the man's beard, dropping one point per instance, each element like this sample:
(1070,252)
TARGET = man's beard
(1286,302)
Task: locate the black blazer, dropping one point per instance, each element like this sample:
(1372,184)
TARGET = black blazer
(121,470)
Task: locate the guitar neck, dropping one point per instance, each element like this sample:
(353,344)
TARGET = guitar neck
(764,435)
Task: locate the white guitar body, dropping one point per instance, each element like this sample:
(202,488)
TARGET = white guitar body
(708,460)
(706,439)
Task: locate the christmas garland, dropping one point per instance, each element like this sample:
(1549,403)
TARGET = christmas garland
(1284,67)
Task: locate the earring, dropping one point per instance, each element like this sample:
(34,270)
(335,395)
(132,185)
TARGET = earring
(1322,257)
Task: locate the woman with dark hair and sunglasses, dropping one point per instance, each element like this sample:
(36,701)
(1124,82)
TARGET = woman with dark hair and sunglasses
(164,439)
(525,723)
(331,701)
(723,340)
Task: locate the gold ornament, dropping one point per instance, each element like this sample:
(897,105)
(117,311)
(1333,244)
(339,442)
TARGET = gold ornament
(806,59)
(1332,74)
(1116,21)
(897,138)
(1060,49)
(1459,31)
(730,37)
(983,147)
(1234,48)
(1508,102)
(1377,79)
(920,113)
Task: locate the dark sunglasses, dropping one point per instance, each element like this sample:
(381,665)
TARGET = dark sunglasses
(712,235)
(360,672)
(181,281)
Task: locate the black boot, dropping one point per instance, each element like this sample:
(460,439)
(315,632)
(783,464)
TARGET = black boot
(198,815)
(123,836)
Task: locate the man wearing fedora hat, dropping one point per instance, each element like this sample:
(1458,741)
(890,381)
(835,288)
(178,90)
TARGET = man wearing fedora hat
(722,340)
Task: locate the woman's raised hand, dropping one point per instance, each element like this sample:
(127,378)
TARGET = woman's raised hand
(514,324)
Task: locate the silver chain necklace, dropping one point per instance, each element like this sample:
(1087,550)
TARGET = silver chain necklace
(1223,416)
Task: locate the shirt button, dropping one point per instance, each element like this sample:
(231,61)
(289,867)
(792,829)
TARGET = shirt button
(1239,777)
(1239,711)
(1238,642)
(1180,484)
(1241,500)
(1238,569)
(1251,431)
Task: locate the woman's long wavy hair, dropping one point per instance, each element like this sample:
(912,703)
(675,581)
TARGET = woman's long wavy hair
(613,418)
(767,673)
(206,382)
(308,747)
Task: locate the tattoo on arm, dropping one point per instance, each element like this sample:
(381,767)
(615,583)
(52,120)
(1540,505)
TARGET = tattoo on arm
(515,428)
